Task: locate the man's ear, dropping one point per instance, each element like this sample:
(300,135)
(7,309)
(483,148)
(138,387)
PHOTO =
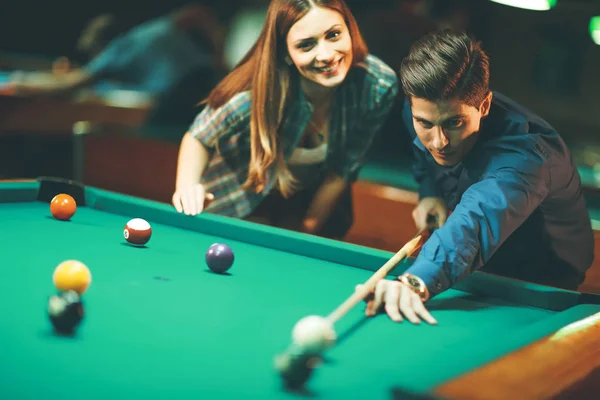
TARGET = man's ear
(486,104)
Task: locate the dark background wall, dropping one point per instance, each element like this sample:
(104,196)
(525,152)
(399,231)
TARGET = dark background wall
(546,60)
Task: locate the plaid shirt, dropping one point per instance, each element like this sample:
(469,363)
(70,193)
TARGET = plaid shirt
(360,108)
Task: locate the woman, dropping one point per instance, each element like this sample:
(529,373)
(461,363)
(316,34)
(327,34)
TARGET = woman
(285,133)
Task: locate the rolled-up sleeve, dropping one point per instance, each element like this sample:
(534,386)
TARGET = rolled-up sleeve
(510,190)
(224,124)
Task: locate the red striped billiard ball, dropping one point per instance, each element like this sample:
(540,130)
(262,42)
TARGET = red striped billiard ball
(137,232)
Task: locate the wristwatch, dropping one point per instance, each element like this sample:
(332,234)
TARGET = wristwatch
(416,284)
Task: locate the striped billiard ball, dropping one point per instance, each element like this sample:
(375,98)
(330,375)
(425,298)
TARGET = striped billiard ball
(137,232)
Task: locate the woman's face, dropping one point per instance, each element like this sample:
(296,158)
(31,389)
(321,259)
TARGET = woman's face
(320,46)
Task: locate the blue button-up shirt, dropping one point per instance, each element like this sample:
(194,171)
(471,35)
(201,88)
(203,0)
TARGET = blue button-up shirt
(518,176)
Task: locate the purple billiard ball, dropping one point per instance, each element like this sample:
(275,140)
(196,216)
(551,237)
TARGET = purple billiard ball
(219,258)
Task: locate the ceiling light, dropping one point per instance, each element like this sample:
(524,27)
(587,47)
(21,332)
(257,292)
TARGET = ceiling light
(537,5)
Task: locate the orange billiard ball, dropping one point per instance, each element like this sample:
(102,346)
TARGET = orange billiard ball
(72,275)
(63,207)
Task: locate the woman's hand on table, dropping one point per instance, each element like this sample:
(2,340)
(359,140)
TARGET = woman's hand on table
(191,199)
(398,300)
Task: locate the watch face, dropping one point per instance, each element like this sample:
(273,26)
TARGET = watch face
(417,285)
(413,281)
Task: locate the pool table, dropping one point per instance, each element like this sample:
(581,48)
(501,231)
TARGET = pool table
(104,103)
(58,124)
(159,324)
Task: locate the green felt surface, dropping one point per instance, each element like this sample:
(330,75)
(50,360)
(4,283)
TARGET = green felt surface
(389,170)
(194,334)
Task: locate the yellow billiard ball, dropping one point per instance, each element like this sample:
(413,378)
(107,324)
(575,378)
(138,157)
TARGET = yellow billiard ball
(72,275)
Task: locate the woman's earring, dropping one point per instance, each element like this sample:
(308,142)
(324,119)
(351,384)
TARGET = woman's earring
(288,60)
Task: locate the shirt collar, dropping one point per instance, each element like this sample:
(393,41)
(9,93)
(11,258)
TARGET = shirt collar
(420,146)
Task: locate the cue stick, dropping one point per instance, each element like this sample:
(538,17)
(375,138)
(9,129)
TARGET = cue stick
(380,274)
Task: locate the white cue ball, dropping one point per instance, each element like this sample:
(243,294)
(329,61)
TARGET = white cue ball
(314,333)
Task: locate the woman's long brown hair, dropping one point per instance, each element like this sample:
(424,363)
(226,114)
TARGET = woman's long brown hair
(264,72)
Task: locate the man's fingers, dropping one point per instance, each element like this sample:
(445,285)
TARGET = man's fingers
(420,218)
(377,298)
(368,298)
(392,297)
(399,301)
(370,310)
(406,305)
(421,311)
(442,215)
(360,287)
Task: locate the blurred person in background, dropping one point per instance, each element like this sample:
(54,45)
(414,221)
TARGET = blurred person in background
(175,58)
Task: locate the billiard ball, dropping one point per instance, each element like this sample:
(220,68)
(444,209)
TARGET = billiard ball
(137,231)
(219,258)
(72,275)
(65,311)
(296,366)
(63,207)
(314,333)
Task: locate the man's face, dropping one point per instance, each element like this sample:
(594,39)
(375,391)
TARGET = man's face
(448,128)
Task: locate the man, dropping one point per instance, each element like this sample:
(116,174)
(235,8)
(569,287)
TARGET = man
(506,174)
(174,58)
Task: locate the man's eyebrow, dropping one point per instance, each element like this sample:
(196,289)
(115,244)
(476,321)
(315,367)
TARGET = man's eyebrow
(312,37)
(421,119)
(456,116)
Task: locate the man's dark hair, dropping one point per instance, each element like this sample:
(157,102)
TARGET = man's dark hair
(445,64)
